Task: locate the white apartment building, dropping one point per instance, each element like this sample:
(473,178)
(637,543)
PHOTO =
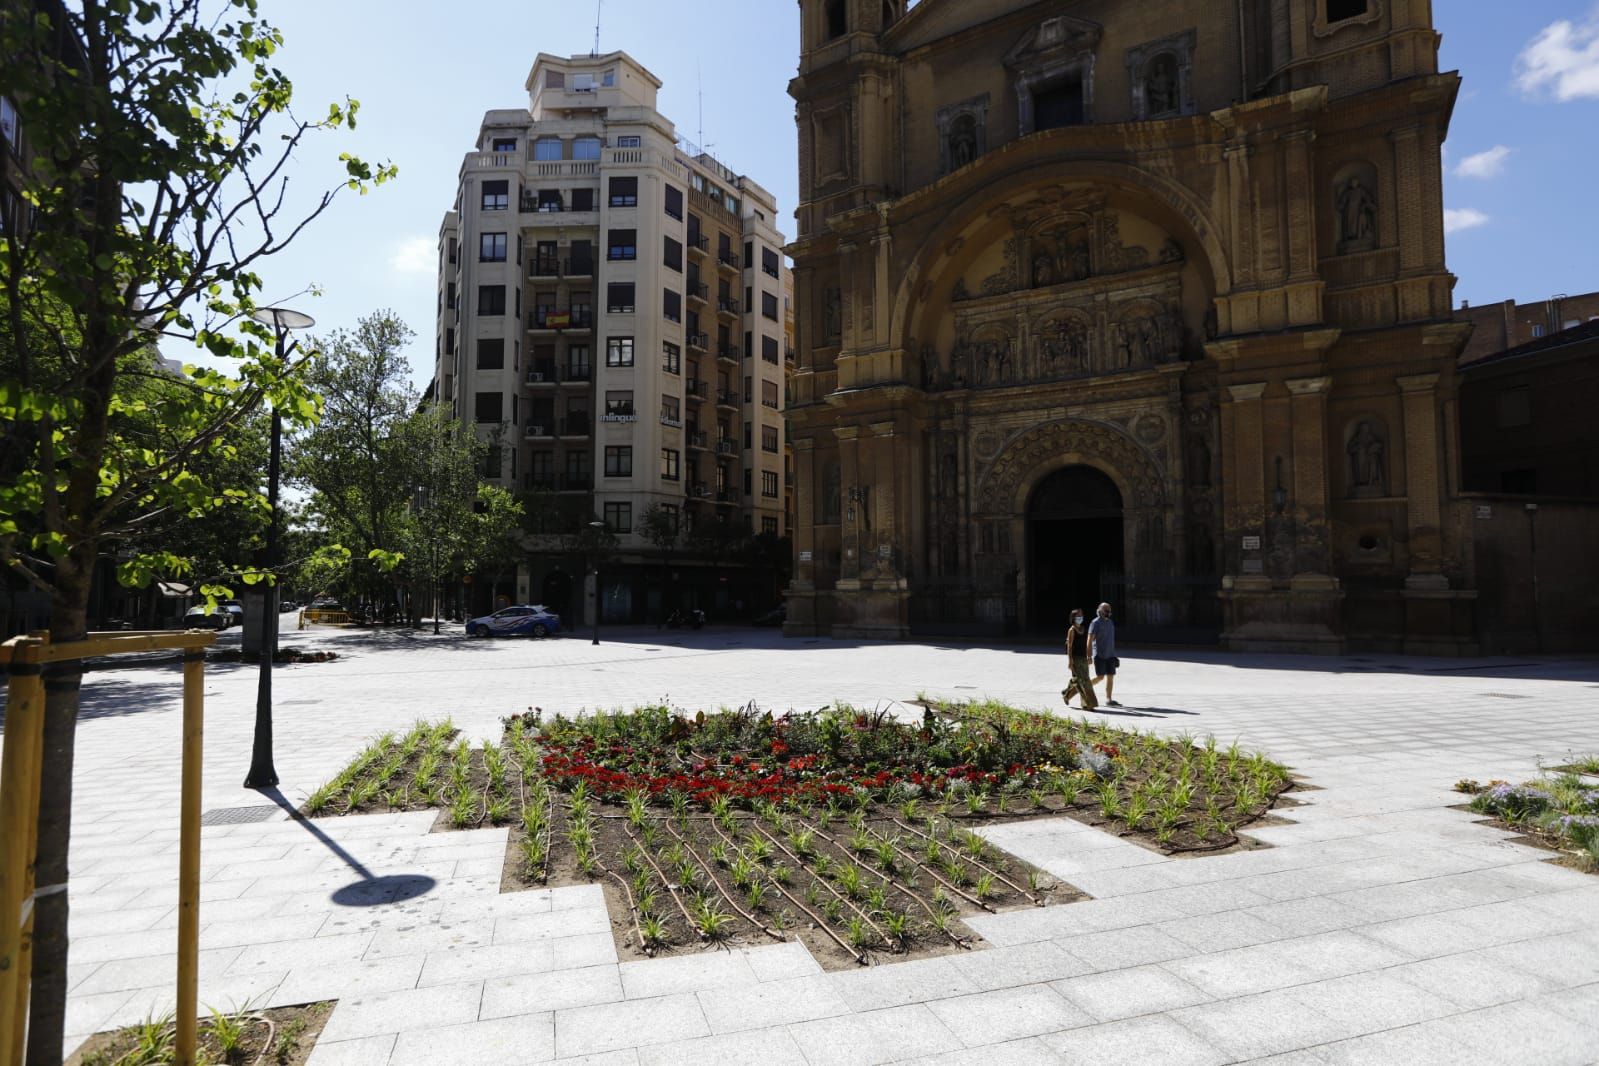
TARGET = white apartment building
(611,309)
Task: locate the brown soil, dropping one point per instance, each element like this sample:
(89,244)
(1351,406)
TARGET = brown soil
(1534,837)
(281,1036)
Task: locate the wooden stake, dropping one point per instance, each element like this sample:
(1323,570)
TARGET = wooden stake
(189,858)
(19,820)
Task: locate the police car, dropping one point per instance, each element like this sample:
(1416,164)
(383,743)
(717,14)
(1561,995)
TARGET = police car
(522,621)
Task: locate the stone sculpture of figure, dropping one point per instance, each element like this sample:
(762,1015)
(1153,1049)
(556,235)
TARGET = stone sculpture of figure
(1357,217)
(832,315)
(1043,270)
(1368,473)
(1160,85)
(962,142)
(1077,346)
(1121,344)
(1082,265)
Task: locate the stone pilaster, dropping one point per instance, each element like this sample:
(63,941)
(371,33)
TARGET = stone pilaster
(1309,493)
(1418,394)
(851,479)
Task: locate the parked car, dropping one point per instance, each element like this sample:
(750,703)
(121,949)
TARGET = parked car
(775,617)
(235,612)
(287,605)
(531,620)
(199,618)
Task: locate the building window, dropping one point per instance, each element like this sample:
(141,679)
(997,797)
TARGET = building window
(1515,407)
(769,484)
(453,251)
(549,201)
(769,439)
(837,15)
(1537,330)
(547,149)
(671,409)
(672,257)
(671,461)
(769,526)
(449,295)
(491,353)
(489,406)
(770,262)
(449,342)
(555,79)
(622,244)
(1059,104)
(10,128)
(1338,10)
(491,299)
(608,79)
(491,248)
(769,349)
(578,365)
(618,460)
(496,195)
(769,394)
(624,192)
(619,351)
(630,141)
(586,148)
(672,305)
(619,403)
(671,358)
(502,145)
(674,202)
(582,199)
(619,516)
(769,306)
(619,297)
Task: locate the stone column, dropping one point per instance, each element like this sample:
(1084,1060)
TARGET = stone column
(1422,480)
(1246,487)
(804,512)
(883,501)
(850,518)
(1312,555)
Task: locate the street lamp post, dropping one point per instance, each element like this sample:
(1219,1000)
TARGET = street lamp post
(262,773)
(597,527)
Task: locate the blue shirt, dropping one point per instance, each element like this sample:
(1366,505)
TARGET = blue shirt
(1103,632)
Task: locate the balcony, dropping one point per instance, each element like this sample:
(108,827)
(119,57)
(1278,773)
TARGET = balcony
(581,373)
(697,390)
(727,496)
(698,439)
(544,430)
(541,372)
(727,307)
(726,398)
(699,490)
(789,356)
(577,483)
(575,426)
(560,320)
(544,266)
(728,352)
(727,446)
(698,290)
(700,244)
(578,267)
(727,260)
(697,341)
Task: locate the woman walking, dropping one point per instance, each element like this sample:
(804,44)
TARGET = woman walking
(1077,658)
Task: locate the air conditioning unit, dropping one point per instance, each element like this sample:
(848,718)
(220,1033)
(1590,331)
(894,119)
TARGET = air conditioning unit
(535,377)
(535,431)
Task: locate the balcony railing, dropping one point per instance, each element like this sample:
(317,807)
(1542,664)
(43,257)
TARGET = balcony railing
(557,318)
(729,352)
(544,266)
(726,495)
(537,430)
(697,389)
(541,373)
(577,482)
(727,446)
(575,426)
(701,243)
(578,373)
(728,259)
(698,290)
(699,490)
(698,439)
(727,307)
(697,340)
(789,356)
(726,398)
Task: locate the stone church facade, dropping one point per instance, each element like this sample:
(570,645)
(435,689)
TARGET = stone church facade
(1136,302)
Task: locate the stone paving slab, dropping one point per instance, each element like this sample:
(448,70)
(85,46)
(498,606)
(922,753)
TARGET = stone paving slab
(1381,926)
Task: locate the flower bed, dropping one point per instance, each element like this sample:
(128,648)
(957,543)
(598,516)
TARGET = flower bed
(283,1036)
(856,831)
(1559,810)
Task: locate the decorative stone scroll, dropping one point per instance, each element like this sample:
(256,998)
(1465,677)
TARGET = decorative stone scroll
(1026,456)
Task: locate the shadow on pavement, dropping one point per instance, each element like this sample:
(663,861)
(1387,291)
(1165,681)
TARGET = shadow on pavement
(371,890)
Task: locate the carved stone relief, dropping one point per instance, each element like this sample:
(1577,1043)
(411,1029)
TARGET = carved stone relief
(1023,457)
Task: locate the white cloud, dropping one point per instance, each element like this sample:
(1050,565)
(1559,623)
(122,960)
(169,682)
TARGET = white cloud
(1463,218)
(1563,60)
(1489,164)
(414,256)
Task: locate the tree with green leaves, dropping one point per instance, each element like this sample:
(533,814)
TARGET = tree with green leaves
(436,530)
(499,536)
(347,459)
(662,529)
(161,144)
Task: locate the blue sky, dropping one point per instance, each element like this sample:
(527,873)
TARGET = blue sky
(1522,157)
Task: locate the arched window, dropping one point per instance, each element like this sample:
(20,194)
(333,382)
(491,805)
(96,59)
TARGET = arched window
(889,14)
(1162,92)
(1338,10)
(837,18)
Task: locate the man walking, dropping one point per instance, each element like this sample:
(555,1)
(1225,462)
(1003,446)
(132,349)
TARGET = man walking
(1102,646)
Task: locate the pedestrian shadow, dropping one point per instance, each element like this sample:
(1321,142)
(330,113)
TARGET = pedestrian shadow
(1142,712)
(371,890)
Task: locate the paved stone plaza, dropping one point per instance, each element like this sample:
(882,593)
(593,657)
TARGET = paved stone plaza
(1383,926)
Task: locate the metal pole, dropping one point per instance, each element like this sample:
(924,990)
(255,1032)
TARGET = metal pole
(262,772)
(1532,554)
(19,790)
(597,601)
(189,856)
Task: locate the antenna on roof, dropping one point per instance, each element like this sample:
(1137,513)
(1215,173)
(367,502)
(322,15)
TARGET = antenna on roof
(598,6)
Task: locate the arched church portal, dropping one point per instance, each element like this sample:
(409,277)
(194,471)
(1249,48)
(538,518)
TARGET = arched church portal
(1074,545)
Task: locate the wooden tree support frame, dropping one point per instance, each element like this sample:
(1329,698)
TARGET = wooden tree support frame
(24,659)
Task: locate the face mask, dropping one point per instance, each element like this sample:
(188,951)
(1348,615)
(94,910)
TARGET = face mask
(1077,618)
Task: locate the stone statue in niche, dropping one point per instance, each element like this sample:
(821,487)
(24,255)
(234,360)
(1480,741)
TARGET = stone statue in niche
(1043,270)
(1121,345)
(832,315)
(1368,461)
(1160,85)
(1357,217)
(962,142)
(1081,261)
(992,360)
(1063,347)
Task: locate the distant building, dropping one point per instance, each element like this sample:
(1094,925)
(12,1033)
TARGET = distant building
(1501,326)
(612,313)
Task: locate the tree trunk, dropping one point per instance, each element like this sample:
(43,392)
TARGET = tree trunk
(48,1005)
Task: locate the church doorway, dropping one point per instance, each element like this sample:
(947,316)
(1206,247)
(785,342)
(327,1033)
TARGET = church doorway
(1074,545)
